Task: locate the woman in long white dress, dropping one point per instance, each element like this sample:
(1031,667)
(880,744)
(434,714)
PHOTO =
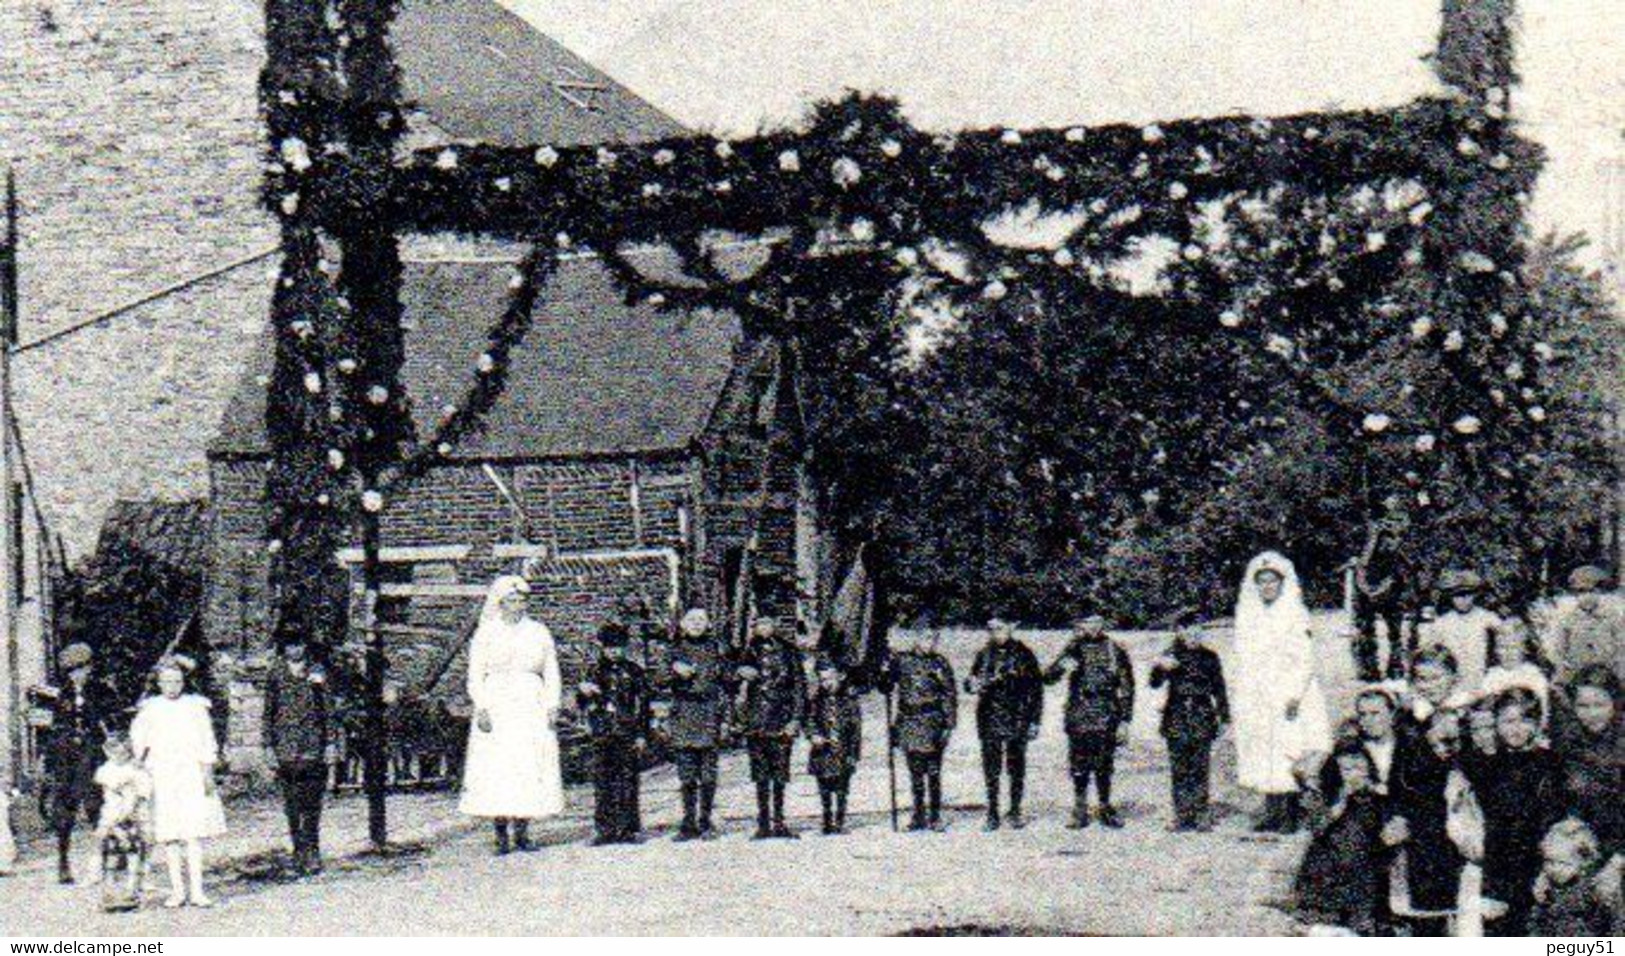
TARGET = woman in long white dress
(512,773)
(1277,704)
(173,738)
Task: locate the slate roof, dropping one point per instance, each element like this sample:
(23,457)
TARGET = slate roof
(173,532)
(594,375)
(482,73)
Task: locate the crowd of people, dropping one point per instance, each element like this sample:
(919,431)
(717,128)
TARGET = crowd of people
(1475,788)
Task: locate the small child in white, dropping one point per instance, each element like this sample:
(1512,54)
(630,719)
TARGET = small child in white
(122,829)
(8,842)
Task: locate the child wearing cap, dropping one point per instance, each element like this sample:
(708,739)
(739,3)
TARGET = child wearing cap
(1589,632)
(835,726)
(1464,627)
(1196,709)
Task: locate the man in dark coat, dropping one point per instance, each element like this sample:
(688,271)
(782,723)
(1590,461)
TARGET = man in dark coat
(298,703)
(1009,685)
(1099,705)
(1195,711)
(81,716)
(927,712)
(1380,580)
(616,701)
(699,699)
(774,684)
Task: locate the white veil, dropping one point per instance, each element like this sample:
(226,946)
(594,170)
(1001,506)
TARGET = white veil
(1287,616)
(491,612)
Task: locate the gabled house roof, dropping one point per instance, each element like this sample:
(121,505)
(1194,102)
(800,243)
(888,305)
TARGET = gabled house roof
(594,376)
(481,73)
(174,533)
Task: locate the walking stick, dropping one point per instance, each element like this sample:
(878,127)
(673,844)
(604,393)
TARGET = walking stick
(891,759)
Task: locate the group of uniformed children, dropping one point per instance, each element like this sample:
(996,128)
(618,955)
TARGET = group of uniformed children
(762,691)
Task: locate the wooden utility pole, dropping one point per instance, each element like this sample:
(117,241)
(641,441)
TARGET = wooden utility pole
(10,546)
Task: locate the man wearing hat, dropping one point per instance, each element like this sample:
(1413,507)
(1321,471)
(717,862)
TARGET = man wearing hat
(1590,632)
(298,702)
(775,702)
(80,718)
(1463,627)
(616,701)
(1099,705)
(694,724)
(1009,686)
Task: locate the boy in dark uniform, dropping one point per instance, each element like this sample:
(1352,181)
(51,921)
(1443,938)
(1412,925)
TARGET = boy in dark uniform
(297,705)
(927,712)
(1196,709)
(1099,704)
(835,725)
(775,700)
(616,701)
(694,726)
(1010,687)
(79,718)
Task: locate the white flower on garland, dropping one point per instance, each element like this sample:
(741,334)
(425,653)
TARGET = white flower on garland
(1475,262)
(1280,345)
(790,161)
(1468,147)
(995,290)
(607,157)
(1011,137)
(1376,423)
(313,383)
(347,365)
(1500,161)
(290,204)
(1426,443)
(1204,160)
(664,157)
(656,300)
(1192,252)
(725,150)
(296,154)
(443,449)
(1544,352)
(503,184)
(1063,257)
(1312,133)
(1413,256)
(1261,127)
(1421,328)
(846,172)
(891,149)
(1151,133)
(335,459)
(1376,241)
(1424,499)
(516,281)
(1515,371)
(378,395)
(372,500)
(1453,341)
(907,257)
(863,230)
(1468,425)
(547,156)
(722,186)
(446,160)
(1537,413)
(1142,168)
(1498,397)
(563,240)
(1151,497)
(274,545)
(1098,206)
(1419,213)
(1075,134)
(1178,190)
(1230,318)
(1498,324)
(651,190)
(487,363)
(448,410)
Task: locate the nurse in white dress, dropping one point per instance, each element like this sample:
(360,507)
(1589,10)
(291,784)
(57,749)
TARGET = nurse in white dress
(512,773)
(1277,704)
(173,738)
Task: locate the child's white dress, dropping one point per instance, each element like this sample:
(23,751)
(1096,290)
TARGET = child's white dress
(126,788)
(175,742)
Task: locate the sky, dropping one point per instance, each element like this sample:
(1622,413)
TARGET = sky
(735,66)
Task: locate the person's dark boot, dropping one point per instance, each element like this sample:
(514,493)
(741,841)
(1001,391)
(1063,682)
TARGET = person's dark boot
(708,800)
(840,811)
(1270,820)
(918,820)
(781,830)
(503,846)
(933,786)
(1109,817)
(764,810)
(690,827)
(1291,814)
(827,800)
(521,836)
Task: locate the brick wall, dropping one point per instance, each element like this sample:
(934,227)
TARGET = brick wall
(133,125)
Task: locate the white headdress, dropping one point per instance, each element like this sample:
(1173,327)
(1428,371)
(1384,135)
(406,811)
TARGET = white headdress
(503,586)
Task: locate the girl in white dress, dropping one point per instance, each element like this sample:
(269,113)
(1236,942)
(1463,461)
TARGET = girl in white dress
(1277,705)
(512,773)
(174,740)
